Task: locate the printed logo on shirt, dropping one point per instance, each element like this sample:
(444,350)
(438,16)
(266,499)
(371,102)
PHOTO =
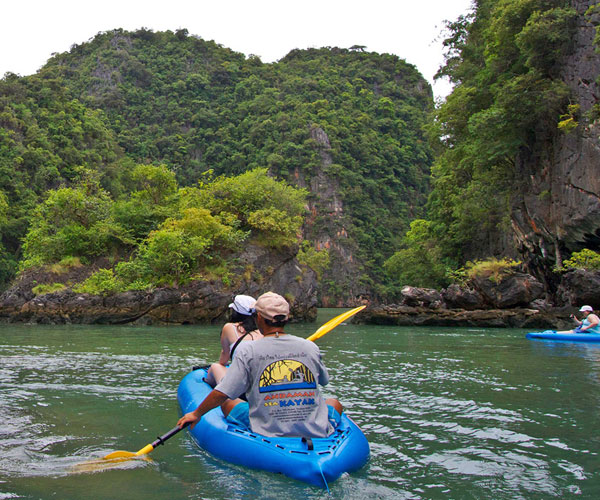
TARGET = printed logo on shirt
(286,374)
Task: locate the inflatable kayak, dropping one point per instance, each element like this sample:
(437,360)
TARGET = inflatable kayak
(573,337)
(317,461)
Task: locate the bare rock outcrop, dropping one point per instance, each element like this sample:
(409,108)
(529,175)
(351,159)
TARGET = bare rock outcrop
(483,318)
(421,297)
(516,300)
(579,287)
(515,290)
(465,297)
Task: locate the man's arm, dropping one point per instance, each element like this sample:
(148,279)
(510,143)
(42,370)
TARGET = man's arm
(215,398)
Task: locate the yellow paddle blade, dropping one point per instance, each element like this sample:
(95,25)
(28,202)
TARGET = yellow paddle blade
(146,449)
(332,323)
(128,454)
(119,454)
(114,459)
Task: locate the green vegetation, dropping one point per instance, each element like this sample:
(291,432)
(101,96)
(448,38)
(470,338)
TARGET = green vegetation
(72,222)
(65,265)
(208,225)
(568,121)
(7,264)
(503,61)
(161,155)
(104,282)
(419,262)
(493,269)
(585,259)
(272,210)
(43,289)
(146,112)
(317,260)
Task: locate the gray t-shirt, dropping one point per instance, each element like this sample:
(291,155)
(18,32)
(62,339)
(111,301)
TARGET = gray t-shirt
(280,377)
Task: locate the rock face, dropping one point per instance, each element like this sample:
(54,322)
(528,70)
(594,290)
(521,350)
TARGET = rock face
(456,297)
(421,297)
(515,300)
(579,288)
(199,302)
(557,210)
(489,318)
(326,204)
(516,290)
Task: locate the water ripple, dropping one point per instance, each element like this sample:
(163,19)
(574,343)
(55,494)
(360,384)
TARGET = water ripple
(449,413)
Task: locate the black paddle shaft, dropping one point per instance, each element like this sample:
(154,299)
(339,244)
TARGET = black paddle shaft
(161,439)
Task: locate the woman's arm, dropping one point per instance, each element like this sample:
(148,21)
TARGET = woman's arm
(228,335)
(594,321)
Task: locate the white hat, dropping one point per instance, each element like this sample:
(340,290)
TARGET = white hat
(243,304)
(586,308)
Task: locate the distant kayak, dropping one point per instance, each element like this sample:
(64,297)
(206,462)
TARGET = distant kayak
(572,337)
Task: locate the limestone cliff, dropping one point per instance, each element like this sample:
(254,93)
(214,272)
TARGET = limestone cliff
(556,209)
(326,226)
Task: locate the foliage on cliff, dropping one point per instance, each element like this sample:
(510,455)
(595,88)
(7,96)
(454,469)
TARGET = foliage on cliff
(504,60)
(46,135)
(173,99)
(585,259)
(188,233)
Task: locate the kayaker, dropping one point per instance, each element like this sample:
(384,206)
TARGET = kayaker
(241,328)
(590,322)
(279,374)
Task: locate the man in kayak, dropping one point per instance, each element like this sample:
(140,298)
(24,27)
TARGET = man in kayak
(279,374)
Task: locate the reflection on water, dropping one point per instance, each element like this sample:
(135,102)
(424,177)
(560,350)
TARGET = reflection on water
(449,413)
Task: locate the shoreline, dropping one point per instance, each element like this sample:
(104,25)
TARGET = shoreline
(489,318)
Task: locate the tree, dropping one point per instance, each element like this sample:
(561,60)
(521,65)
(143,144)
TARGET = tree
(155,184)
(72,222)
(420,262)
(272,210)
(183,246)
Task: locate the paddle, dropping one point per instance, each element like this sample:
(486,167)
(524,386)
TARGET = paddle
(332,323)
(114,458)
(322,330)
(146,449)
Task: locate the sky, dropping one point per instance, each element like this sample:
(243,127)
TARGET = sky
(31,30)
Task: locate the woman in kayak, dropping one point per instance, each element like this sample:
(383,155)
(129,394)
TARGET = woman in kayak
(589,324)
(241,328)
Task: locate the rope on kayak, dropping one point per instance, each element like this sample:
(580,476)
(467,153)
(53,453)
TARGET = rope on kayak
(324,480)
(310,445)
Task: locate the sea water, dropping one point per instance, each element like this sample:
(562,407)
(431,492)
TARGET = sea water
(448,412)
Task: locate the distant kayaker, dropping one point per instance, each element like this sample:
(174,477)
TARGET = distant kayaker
(241,328)
(589,324)
(278,405)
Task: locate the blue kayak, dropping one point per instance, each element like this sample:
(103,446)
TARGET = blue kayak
(572,337)
(318,461)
